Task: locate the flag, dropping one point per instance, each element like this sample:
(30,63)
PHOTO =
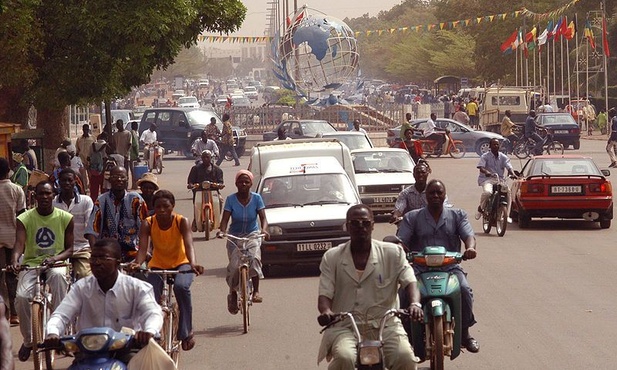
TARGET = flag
(588,32)
(563,28)
(555,31)
(519,40)
(530,38)
(570,31)
(507,45)
(542,38)
(607,52)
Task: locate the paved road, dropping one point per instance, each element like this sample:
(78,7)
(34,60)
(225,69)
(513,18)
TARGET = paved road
(543,296)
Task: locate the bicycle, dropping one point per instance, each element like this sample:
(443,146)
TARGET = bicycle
(40,311)
(496,213)
(245,286)
(169,334)
(207,214)
(526,146)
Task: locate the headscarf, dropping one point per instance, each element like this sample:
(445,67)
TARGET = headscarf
(244,172)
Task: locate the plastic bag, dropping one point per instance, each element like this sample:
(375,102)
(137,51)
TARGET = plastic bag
(152,357)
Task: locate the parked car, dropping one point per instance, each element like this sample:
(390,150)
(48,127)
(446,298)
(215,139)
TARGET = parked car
(301,129)
(562,126)
(381,174)
(179,127)
(353,139)
(240,101)
(474,140)
(221,100)
(204,82)
(188,102)
(562,186)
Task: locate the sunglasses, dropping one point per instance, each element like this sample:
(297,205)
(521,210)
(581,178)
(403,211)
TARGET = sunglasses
(360,223)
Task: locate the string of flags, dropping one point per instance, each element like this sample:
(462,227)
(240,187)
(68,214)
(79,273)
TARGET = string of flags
(235,39)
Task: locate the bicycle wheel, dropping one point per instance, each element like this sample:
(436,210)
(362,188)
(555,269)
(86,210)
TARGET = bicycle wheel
(159,165)
(501,223)
(175,343)
(486,222)
(457,150)
(36,310)
(521,150)
(244,299)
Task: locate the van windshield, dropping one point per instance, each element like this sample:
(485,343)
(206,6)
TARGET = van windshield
(308,189)
(506,100)
(201,117)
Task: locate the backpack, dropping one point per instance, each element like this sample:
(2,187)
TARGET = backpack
(97,159)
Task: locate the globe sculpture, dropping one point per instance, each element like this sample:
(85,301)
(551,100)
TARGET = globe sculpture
(316,52)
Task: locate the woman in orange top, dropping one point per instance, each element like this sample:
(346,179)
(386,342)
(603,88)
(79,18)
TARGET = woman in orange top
(172,249)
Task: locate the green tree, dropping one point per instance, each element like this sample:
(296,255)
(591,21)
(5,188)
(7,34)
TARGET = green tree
(55,54)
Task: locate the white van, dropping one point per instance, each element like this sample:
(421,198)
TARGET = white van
(307,192)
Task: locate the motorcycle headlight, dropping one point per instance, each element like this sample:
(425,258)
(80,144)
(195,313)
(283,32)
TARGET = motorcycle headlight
(71,347)
(117,344)
(434,260)
(205,185)
(94,342)
(275,230)
(118,365)
(369,355)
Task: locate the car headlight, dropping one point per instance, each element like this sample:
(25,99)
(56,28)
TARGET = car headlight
(94,342)
(275,230)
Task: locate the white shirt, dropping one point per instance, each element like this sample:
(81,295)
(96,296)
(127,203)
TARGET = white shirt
(428,127)
(77,164)
(129,303)
(80,207)
(148,137)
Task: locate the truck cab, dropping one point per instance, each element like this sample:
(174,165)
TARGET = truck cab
(499,99)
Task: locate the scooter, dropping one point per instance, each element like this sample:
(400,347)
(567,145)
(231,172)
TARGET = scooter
(95,347)
(155,156)
(370,351)
(440,333)
(207,208)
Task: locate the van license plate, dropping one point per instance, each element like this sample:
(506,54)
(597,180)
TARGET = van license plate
(383,199)
(308,247)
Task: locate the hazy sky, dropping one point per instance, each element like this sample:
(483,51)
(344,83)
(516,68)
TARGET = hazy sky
(255,21)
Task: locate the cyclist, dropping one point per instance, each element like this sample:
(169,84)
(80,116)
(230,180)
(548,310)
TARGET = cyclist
(428,131)
(243,207)
(108,298)
(506,130)
(80,206)
(204,171)
(492,165)
(172,249)
(44,236)
(530,132)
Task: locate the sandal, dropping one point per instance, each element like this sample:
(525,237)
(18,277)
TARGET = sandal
(24,353)
(188,343)
(257,298)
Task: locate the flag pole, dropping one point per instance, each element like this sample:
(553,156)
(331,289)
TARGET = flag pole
(605,57)
(578,70)
(561,36)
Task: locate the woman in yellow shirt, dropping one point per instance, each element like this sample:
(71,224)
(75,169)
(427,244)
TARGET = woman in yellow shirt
(172,249)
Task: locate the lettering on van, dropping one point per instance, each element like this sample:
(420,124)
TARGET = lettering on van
(304,168)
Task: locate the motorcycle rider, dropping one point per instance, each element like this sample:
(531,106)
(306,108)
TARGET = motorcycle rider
(148,137)
(530,132)
(428,131)
(204,143)
(447,227)
(506,130)
(363,275)
(412,197)
(492,165)
(204,171)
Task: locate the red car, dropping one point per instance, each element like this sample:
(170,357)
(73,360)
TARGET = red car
(562,186)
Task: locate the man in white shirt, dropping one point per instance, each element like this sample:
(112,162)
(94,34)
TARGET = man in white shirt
(203,143)
(80,206)
(148,137)
(356,126)
(108,298)
(428,130)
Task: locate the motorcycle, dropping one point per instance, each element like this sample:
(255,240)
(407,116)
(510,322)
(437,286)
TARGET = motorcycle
(496,213)
(95,347)
(440,333)
(454,148)
(155,156)
(370,351)
(207,209)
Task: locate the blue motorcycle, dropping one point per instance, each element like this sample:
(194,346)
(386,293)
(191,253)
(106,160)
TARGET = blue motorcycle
(94,348)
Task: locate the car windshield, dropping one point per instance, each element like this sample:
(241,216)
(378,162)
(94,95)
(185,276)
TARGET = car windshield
(352,141)
(187,100)
(316,127)
(564,167)
(549,119)
(382,161)
(307,189)
(201,117)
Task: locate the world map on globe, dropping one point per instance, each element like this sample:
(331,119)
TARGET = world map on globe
(316,52)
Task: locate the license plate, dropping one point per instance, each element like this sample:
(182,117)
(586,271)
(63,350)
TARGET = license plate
(563,189)
(561,131)
(384,199)
(308,247)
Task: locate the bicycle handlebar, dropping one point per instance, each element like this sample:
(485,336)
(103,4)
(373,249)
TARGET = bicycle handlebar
(249,238)
(39,267)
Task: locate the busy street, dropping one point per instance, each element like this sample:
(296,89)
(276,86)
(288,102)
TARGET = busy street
(542,296)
